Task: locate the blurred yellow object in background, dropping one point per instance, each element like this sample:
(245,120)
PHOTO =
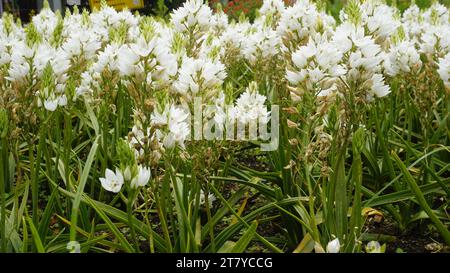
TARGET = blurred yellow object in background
(118,4)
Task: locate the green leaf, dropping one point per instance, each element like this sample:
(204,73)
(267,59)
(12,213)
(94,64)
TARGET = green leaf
(227,247)
(243,242)
(80,189)
(421,199)
(403,195)
(123,241)
(37,240)
(306,245)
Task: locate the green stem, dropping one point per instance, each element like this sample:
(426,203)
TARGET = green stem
(130,203)
(316,233)
(340,194)
(211,226)
(384,150)
(356,220)
(3,180)
(67,146)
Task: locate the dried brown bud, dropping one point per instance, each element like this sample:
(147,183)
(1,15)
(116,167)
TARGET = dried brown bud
(149,105)
(293,142)
(291,124)
(290,110)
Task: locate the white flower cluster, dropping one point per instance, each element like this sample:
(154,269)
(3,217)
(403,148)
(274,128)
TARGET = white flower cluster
(301,21)
(316,67)
(176,122)
(401,58)
(62,60)
(248,110)
(250,106)
(193,14)
(272,7)
(262,42)
(199,77)
(113,181)
(373,42)
(380,20)
(363,60)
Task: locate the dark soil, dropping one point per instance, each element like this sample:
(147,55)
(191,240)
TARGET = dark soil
(410,241)
(254,161)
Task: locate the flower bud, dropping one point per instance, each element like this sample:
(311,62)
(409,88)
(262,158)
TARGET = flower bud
(127,173)
(358,139)
(3,123)
(333,246)
(149,105)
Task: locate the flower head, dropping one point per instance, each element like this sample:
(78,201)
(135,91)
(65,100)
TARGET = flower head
(112,181)
(142,177)
(334,246)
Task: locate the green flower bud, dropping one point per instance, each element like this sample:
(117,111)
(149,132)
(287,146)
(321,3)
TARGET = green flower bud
(57,38)
(32,35)
(124,153)
(8,22)
(45,5)
(103,4)
(353,11)
(358,139)
(243,18)
(3,123)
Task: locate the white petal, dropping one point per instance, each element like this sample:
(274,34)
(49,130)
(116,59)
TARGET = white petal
(51,105)
(110,175)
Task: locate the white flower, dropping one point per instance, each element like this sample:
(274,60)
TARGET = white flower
(107,59)
(81,42)
(51,104)
(334,246)
(413,22)
(127,60)
(436,40)
(379,88)
(437,14)
(45,22)
(271,7)
(234,37)
(301,21)
(402,57)
(112,181)
(197,75)
(19,67)
(192,13)
(62,100)
(219,21)
(364,61)
(142,177)
(176,125)
(85,86)
(379,19)
(250,106)
(261,44)
(316,66)
(211,198)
